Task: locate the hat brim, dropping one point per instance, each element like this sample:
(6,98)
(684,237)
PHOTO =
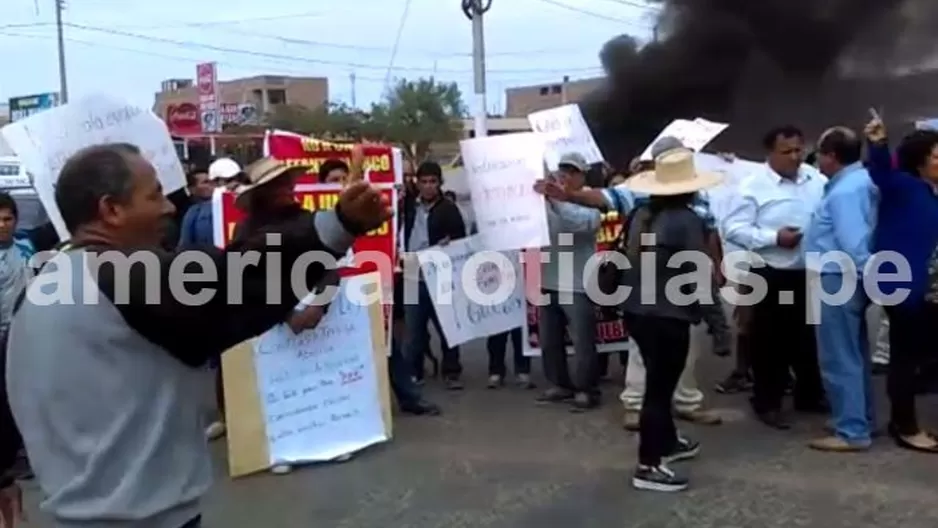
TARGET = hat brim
(244,190)
(573,166)
(646,183)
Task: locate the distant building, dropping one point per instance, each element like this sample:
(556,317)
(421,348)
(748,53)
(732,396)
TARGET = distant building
(243,101)
(497,125)
(4,113)
(523,100)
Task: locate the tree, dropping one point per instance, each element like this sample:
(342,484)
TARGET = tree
(416,114)
(332,121)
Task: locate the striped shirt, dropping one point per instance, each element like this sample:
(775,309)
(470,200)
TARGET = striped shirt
(623,200)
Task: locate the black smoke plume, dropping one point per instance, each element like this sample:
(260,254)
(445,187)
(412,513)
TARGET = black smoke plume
(757,63)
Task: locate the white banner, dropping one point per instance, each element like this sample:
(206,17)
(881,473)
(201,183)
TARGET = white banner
(476,293)
(695,134)
(501,172)
(564,131)
(45,141)
(320,392)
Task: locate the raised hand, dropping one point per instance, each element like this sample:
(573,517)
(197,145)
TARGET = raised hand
(362,208)
(875,130)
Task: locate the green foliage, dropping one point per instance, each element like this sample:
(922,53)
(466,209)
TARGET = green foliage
(412,115)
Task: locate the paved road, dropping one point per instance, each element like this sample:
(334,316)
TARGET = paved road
(495,460)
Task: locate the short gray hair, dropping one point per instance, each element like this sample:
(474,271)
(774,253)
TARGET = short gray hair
(90,175)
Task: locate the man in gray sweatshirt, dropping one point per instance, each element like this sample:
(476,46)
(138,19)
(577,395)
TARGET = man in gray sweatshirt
(106,381)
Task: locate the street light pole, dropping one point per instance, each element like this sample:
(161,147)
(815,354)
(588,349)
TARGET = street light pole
(63,81)
(474,9)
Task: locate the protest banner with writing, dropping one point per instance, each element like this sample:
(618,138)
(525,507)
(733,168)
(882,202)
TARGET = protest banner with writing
(313,396)
(476,293)
(46,140)
(695,134)
(564,130)
(501,172)
(611,333)
(383,163)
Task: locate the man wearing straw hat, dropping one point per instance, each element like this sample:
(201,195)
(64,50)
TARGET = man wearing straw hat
(658,315)
(688,399)
(109,402)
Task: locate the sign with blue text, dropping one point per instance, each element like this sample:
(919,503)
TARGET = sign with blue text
(27,105)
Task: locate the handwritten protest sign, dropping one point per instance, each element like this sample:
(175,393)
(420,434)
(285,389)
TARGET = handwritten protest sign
(695,134)
(476,293)
(46,140)
(501,172)
(311,396)
(382,164)
(611,333)
(564,131)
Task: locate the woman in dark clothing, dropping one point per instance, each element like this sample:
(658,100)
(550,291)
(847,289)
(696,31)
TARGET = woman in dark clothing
(907,225)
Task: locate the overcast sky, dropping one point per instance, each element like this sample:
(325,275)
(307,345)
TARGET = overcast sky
(129,46)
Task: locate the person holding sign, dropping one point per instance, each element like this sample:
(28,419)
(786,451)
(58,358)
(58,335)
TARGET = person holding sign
(429,219)
(108,403)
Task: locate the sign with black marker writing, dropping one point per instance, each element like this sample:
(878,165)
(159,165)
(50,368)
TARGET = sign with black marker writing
(312,396)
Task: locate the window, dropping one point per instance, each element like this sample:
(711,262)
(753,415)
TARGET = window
(555,89)
(544,90)
(276,97)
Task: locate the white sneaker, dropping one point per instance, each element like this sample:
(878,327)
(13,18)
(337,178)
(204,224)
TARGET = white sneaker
(343,458)
(281,469)
(215,431)
(495,381)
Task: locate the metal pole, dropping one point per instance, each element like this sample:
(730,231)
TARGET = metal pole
(63,74)
(352,79)
(474,9)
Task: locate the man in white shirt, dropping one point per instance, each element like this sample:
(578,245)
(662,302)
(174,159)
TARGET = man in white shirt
(774,205)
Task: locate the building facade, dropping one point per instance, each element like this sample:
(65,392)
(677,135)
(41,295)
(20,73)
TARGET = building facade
(523,100)
(242,101)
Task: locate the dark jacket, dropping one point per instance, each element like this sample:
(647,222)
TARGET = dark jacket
(445,220)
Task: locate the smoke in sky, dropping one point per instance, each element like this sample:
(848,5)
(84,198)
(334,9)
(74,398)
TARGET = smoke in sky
(756,63)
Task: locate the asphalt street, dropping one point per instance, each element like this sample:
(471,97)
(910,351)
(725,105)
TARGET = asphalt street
(497,460)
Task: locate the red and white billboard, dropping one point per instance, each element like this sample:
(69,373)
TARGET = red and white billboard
(206,78)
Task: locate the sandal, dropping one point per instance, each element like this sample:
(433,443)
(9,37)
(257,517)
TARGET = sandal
(903,442)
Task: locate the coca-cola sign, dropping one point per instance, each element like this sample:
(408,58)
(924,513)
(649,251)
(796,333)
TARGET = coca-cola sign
(205,78)
(183,119)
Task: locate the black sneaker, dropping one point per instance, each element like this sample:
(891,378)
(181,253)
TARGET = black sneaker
(555,395)
(734,384)
(686,449)
(658,478)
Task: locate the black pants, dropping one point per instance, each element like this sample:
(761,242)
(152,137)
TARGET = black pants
(664,344)
(783,342)
(498,344)
(910,343)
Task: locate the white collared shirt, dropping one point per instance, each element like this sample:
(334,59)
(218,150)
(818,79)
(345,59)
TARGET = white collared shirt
(767,202)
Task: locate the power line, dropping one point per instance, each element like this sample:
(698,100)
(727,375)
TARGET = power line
(223,49)
(593,14)
(632,3)
(397,42)
(242,65)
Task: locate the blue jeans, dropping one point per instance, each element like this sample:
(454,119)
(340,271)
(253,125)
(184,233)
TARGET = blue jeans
(846,366)
(402,382)
(417,339)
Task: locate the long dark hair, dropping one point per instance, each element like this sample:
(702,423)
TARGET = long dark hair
(645,215)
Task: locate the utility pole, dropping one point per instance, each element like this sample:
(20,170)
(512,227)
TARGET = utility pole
(474,9)
(63,74)
(351,77)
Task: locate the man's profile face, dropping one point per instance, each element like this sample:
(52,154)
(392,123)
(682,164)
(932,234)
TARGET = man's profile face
(571,177)
(140,220)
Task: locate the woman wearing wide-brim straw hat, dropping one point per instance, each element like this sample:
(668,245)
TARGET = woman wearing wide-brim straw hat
(661,326)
